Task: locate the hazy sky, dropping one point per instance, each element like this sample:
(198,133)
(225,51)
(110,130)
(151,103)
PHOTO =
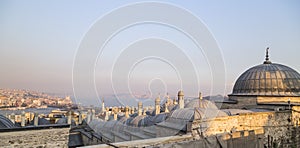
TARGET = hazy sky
(39,41)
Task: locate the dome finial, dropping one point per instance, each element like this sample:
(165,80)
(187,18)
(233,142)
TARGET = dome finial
(267,54)
(267,57)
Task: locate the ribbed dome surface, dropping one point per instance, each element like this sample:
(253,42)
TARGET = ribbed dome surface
(5,122)
(268,79)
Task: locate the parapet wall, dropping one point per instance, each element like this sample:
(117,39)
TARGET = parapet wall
(51,137)
(276,126)
(245,139)
(278,99)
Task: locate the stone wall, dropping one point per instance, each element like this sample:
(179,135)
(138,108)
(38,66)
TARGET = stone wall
(242,102)
(296,115)
(279,99)
(55,137)
(253,101)
(275,125)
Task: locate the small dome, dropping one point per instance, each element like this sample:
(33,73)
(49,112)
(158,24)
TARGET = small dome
(190,114)
(186,114)
(123,119)
(180,93)
(136,121)
(208,113)
(201,103)
(160,117)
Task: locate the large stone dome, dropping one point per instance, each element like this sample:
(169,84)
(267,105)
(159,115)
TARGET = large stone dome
(268,79)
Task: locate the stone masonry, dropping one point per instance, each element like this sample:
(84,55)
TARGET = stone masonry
(41,138)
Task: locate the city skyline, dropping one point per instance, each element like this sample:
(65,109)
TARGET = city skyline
(39,44)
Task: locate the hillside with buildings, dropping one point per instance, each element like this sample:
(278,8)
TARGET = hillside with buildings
(10,98)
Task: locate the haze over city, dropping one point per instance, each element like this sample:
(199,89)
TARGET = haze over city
(150,73)
(39,42)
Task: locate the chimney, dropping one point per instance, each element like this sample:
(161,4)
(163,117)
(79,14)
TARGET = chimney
(103,106)
(166,108)
(127,112)
(88,120)
(31,116)
(93,115)
(140,108)
(157,105)
(36,119)
(106,116)
(69,118)
(80,118)
(200,99)
(115,111)
(13,118)
(144,112)
(200,96)
(180,99)
(168,102)
(23,119)
(132,110)
(107,110)
(168,99)
(175,101)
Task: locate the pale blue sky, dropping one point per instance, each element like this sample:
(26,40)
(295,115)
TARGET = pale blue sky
(39,39)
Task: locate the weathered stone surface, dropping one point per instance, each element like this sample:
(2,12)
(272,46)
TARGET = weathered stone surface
(278,126)
(44,138)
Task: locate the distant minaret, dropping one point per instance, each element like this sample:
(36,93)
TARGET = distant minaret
(140,108)
(200,98)
(181,99)
(103,106)
(23,119)
(157,105)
